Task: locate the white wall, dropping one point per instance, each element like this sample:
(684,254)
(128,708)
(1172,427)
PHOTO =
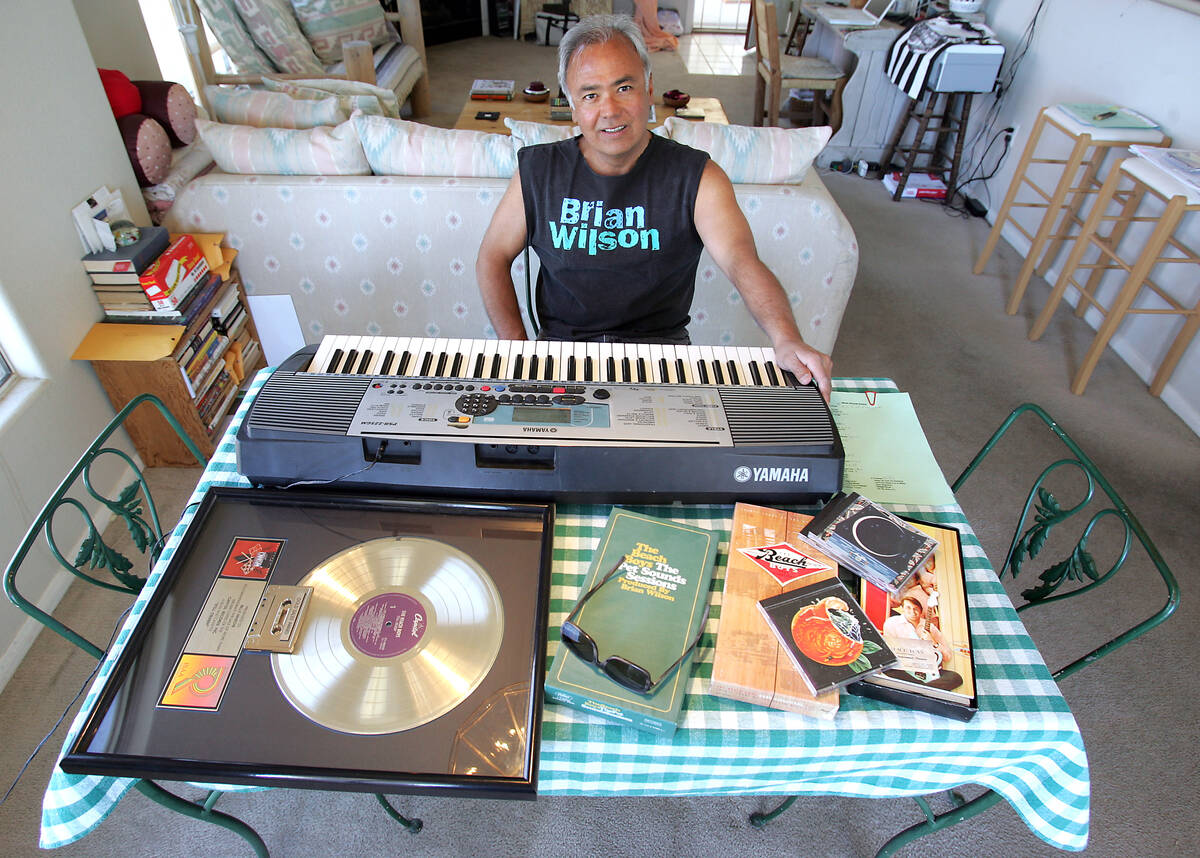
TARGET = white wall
(59,143)
(117,37)
(1138,53)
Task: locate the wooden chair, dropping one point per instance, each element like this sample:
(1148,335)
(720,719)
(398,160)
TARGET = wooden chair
(777,71)
(1098,518)
(1078,179)
(358,58)
(1142,177)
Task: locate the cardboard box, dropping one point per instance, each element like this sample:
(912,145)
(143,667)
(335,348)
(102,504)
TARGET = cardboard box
(175,273)
(921,186)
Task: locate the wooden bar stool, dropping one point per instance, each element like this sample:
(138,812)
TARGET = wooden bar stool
(1090,146)
(1179,199)
(949,116)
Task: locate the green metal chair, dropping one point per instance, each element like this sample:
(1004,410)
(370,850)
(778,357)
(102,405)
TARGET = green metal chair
(100,565)
(1074,575)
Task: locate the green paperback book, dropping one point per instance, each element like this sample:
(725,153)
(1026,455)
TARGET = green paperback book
(649,613)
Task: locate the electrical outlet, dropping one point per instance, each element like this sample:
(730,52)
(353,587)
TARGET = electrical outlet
(1016,133)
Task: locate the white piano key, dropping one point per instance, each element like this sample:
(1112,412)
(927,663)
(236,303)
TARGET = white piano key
(350,349)
(324,350)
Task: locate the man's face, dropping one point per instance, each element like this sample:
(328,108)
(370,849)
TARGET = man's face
(911,611)
(611,104)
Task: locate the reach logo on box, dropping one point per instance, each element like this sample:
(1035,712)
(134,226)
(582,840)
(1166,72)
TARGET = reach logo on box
(174,274)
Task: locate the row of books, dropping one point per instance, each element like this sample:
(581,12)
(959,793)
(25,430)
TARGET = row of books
(796,626)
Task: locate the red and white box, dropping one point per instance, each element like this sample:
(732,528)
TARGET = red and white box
(175,273)
(921,186)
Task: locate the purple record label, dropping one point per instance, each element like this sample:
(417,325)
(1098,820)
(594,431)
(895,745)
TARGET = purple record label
(387,625)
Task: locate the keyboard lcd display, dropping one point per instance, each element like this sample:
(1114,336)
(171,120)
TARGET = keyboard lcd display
(527,414)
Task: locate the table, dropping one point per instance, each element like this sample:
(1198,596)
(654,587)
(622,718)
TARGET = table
(529,111)
(1023,743)
(871,104)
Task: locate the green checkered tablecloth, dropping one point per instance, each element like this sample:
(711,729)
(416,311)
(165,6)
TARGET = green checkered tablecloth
(1023,743)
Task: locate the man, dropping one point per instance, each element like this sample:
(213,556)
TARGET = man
(910,624)
(618,218)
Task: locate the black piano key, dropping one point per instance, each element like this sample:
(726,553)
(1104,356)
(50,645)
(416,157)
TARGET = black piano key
(405,360)
(533,367)
(717,374)
(456,364)
(571,368)
(439,369)
(789,379)
(424,370)
(641,366)
(772,376)
(517,363)
(549,376)
(334,361)
(703,372)
(663,370)
(348,363)
(365,363)
(610,369)
(477,371)
(386,367)
(495,373)
(625,374)
(679,371)
(755,375)
(734,376)
(587,368)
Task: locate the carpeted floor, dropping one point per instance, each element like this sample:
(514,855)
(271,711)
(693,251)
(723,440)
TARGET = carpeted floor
(918,315)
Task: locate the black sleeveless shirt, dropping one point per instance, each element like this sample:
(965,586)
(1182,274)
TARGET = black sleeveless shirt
(618,253)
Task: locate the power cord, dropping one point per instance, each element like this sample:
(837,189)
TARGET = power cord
(87,682)
(378,456)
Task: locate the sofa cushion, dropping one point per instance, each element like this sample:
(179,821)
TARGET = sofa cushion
(396,147)
(285,151)
(172,106)
(272,25)
(263,109)
(223,19)
(352,95)
(532,133)
(328,23)
(756,156)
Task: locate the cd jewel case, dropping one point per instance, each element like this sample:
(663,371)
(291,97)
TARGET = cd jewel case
(415,634)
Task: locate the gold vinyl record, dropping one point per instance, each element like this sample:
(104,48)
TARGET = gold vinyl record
(398,632)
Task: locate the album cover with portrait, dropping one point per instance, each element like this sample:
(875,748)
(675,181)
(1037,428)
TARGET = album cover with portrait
(869,540)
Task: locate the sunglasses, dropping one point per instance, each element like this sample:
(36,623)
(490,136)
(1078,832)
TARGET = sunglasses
(620,670)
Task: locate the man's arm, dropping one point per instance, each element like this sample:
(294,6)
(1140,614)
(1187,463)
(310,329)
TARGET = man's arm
(504,239)
(728,239)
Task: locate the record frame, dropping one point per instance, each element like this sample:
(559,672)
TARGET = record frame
(255,736)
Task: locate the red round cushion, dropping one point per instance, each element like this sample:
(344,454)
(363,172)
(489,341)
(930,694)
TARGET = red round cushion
(123,96)
(148,146)
(172,106)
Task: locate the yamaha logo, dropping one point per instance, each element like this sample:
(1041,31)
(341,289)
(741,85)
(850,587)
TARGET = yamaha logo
(742,474)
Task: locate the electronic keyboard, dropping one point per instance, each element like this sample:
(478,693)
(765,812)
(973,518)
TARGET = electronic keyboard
(586,422)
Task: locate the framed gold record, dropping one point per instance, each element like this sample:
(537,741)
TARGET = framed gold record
(411,627)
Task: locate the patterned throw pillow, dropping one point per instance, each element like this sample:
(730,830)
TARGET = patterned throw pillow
(532,133)
(328,23)
(285,151)
(244,106)
(396,147)
(352,95)
(272,25)
(223,19)
(763,156)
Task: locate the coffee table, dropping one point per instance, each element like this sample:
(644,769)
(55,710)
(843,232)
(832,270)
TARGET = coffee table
(528,111)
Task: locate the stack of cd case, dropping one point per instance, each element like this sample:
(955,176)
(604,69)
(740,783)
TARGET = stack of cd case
(868,540)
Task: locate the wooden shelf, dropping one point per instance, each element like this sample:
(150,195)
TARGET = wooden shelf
(130,359)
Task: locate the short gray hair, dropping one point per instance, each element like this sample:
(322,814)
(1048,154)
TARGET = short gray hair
(596,30)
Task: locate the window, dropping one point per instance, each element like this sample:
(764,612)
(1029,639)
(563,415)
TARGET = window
(6,373)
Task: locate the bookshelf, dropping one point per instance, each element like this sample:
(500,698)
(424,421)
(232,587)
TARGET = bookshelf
(195,370)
